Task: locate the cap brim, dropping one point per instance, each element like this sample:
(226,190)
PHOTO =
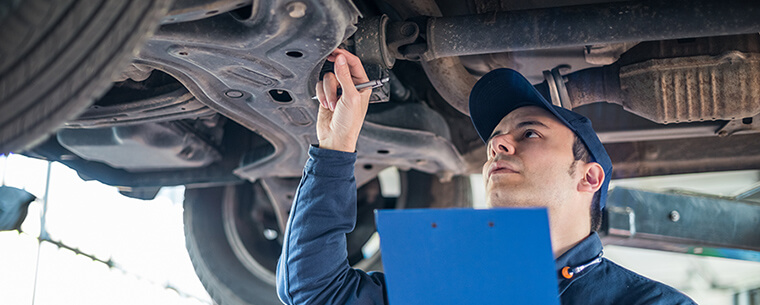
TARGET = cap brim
(500,92)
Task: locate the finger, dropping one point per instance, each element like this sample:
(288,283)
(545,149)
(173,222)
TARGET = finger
(354,65)
(343,73)
(330,85)
(321,94)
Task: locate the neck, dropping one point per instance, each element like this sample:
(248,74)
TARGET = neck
(560,245)
(566,232)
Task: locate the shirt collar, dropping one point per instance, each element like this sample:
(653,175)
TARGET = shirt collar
(588,249)
(584,252)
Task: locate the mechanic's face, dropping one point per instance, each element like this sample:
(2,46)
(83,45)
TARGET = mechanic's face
(529,161)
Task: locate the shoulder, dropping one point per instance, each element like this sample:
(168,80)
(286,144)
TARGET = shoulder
(610,283)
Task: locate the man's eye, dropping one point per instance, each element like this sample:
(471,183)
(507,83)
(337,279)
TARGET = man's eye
(531,134)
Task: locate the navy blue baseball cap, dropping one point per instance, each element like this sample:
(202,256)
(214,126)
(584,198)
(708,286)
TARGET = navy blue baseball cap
(501,91)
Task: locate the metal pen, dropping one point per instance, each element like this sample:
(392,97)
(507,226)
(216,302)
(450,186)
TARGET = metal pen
(370,84)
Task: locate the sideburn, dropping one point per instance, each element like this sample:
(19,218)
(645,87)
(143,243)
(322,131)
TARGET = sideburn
(571,170)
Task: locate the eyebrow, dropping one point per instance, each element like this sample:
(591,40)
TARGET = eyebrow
(519,125)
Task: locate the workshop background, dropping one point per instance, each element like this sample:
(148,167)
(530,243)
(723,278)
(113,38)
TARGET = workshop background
(84,243)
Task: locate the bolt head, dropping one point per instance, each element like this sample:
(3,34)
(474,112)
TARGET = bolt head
(407,29)
(674,216)
(270,234)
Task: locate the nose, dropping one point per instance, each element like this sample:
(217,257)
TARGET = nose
(502,144)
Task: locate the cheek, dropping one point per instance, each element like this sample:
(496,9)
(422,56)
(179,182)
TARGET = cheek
(545,164)
(560,170)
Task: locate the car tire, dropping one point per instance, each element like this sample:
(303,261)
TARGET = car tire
(240,279)
(58,56)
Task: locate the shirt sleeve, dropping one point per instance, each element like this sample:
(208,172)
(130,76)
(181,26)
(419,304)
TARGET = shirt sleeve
(313,266)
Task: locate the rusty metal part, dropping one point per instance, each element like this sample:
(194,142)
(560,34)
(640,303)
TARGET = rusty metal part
(594,85)
(588,25)
(694,88)
(603,84)
(401,34)
(448,76)
(270,51)
(451,80)
(370,42)
(557,90)
(718,73)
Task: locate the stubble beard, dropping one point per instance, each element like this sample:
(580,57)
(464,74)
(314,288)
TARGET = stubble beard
(520,195)
(512,198)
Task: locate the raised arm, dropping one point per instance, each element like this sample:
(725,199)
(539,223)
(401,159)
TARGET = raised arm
(313,267)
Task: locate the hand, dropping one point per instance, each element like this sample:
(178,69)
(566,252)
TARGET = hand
(341,117)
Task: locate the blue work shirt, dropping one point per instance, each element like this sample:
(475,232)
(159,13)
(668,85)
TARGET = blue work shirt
(314,269)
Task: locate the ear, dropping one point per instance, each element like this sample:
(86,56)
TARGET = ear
(593,177)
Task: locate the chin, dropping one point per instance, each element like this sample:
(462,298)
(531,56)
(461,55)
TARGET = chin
(510,201)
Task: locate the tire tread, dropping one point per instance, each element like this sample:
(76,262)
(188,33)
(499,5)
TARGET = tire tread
(67,62)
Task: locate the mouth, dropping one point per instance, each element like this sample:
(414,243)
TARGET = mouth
(501,167)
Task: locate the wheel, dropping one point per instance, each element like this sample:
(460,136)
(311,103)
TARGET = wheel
(234,240)
(57,56)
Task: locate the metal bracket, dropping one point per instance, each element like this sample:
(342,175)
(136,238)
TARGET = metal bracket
(631,232)
(557,89)
(401,34)
(739,125)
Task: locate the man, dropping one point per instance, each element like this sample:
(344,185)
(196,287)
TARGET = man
(538,155)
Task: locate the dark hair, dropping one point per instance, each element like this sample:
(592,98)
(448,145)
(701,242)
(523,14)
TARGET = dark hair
(580,153)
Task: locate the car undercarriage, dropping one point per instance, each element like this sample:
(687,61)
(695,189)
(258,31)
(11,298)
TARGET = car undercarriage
(218,99)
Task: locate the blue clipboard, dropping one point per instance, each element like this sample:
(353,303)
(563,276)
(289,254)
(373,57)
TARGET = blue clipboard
(466,256)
